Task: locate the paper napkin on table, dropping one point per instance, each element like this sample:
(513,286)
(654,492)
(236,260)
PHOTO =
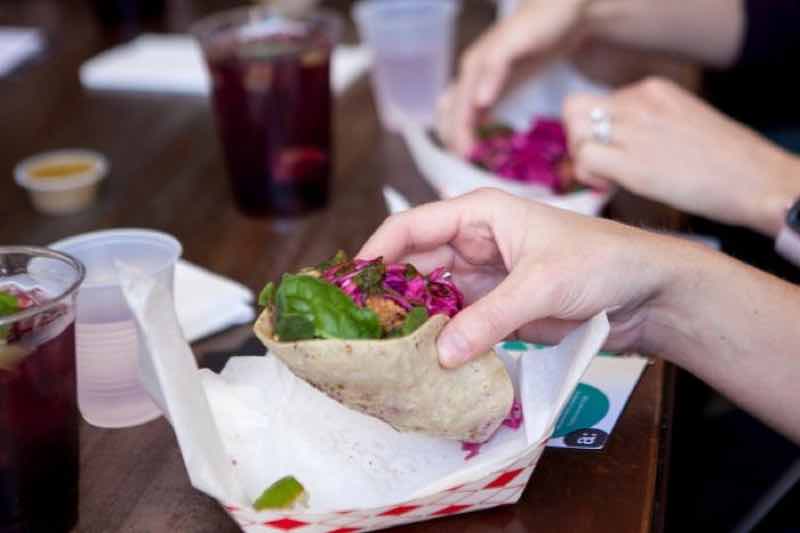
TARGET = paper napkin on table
(17,45)
(174,63)
(208,303)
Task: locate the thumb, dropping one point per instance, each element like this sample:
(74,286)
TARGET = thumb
(478,327)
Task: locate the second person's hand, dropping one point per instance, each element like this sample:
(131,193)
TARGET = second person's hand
(666,144)
(536,28)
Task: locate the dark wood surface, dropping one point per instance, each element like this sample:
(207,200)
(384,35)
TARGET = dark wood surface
(167,174)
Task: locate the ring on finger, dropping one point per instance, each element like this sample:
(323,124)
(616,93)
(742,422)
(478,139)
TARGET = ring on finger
(601,125)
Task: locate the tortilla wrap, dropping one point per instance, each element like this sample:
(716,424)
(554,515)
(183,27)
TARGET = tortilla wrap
(401,382)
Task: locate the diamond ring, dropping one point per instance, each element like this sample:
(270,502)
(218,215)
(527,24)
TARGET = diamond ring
(601,125)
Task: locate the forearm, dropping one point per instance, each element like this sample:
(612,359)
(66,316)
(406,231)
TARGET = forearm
(734,327)
(709,31)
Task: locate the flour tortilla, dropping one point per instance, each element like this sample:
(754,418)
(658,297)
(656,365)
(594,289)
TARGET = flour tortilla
(401,382)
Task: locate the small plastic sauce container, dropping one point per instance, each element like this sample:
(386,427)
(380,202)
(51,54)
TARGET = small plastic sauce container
(62,182)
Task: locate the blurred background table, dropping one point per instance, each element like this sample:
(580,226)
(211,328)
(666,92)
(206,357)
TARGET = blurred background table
(167,173)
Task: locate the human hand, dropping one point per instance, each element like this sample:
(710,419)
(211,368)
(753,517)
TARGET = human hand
(528,268)
(668,145)
(535,29)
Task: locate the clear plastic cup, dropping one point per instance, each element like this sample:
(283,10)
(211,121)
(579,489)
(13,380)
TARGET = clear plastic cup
(39,449)
(412,44)
(110,393)
(271,92)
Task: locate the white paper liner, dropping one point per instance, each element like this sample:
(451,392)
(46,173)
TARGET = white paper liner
(255,422)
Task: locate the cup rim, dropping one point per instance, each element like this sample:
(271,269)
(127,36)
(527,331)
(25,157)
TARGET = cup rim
(206,26)
(69,244)
(40,251)
(365,9)
(98,172)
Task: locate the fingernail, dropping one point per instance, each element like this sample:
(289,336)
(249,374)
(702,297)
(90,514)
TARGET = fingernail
(453,349)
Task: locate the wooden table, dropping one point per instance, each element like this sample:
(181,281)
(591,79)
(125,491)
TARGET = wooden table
(167,173)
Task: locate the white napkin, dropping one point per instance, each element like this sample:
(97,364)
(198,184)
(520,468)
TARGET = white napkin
(207,303)
(17,45)
(174,63)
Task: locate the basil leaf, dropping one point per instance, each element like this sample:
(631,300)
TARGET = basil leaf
(294,328)
(414,319)
(267,295)
(332,313)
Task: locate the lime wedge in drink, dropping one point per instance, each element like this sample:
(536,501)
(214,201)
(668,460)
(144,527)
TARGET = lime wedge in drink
(283,494)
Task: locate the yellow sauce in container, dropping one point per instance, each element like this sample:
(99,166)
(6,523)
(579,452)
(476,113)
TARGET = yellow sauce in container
(63,181)
(64,169)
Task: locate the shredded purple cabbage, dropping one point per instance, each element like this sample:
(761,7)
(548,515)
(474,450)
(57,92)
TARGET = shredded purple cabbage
(513,420)
(402,284)
(531,156)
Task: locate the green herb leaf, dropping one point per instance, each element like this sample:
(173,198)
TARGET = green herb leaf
(414,319)
(340,258)
(282,494)
(492,130)
(410,272)
(370,279)
(8,304)
(267,295)
(332,313)
(294,328)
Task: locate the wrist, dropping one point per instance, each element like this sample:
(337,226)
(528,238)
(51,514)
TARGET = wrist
(678,301)
(767,209)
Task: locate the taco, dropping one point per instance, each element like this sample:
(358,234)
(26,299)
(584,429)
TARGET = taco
(364,333)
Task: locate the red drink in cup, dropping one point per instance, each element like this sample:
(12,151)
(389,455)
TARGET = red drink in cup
(38,395)
(272,98)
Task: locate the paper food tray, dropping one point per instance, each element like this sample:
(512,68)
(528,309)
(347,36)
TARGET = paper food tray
(543,96)
(241,430)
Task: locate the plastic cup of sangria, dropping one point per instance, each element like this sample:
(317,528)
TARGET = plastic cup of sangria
(38,391)
(271,93)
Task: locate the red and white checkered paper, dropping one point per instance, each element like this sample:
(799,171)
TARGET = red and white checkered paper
(503,487)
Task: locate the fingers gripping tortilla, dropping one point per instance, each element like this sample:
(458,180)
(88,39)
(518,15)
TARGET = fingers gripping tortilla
(381,358)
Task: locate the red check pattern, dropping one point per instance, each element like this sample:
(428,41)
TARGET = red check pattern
(499,488)
(400,509)
(285,524)
(504,479)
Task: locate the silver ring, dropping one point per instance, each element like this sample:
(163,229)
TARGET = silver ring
(601,125)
